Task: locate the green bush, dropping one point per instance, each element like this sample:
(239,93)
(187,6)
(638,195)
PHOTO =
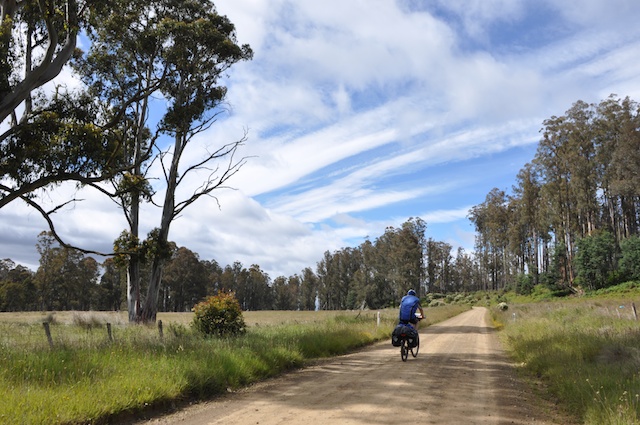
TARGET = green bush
(630,261)
(596,261)
(437,303)
(524,284)
(219,315)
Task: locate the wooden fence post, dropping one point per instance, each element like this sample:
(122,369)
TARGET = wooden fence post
(47,331)
(160,329)
(109,332)
(635,312)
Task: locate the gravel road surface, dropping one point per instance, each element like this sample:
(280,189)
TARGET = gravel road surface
(461,376)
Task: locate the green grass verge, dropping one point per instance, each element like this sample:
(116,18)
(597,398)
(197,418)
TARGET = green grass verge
(85,378)
(586,352)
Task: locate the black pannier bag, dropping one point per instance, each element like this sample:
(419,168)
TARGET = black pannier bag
(409,333)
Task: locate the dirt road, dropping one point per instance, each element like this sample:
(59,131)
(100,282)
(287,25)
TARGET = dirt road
(461,376)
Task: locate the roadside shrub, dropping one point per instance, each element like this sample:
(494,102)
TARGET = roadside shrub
(219,315)
(542,292)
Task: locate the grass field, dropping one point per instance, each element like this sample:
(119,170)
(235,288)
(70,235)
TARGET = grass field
(88,378)
(252,318)
(584,351)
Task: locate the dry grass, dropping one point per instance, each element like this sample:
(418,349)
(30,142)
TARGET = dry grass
(63,317)
(252,318)
(586,351)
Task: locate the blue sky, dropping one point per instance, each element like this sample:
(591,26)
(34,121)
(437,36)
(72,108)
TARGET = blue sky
(363,114)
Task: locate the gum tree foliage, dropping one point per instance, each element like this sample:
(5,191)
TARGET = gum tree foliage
(37,39)
(630,258)
(200,51)
(251,286)
(308,289)
(52,135)
(596,260)
(66,279)
(531,219)
(184,282)
(16,287)
(491,221)
(213,271)
(285,292)
(110,292)
(439,262)
(374,274)
(177,50)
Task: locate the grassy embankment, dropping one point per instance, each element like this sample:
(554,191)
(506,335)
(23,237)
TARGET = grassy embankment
(87,378)
(584,351)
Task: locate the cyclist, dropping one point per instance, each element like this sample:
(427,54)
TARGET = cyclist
(409,305)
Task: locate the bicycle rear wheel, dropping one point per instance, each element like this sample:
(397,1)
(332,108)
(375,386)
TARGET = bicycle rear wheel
(414,350)
(404,350)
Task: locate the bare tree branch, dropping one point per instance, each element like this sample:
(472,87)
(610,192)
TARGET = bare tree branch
(213,183)
(47,216)
(15,193)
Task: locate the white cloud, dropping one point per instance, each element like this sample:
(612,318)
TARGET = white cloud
(599,13)
(242,230)
(477,15)
(446,216)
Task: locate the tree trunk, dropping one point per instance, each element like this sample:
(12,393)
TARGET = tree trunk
(150,309)
(133,271)
(133,291)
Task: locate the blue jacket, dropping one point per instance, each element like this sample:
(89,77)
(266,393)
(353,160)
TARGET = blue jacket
(408,307)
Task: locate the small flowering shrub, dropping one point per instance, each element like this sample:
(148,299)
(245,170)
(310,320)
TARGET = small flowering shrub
(219,315)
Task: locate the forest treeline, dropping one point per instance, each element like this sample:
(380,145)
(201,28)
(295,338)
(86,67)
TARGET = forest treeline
(572,218)
(570,223)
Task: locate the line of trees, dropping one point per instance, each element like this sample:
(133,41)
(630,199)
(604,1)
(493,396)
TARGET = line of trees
(375,274)
(67,279)
(573,218)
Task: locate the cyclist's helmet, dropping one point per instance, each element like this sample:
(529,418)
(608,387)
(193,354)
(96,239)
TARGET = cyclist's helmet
(411,292)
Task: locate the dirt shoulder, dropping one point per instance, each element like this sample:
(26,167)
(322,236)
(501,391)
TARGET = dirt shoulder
(461,376)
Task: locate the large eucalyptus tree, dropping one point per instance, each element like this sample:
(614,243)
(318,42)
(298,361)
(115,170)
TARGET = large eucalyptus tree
(179,50)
